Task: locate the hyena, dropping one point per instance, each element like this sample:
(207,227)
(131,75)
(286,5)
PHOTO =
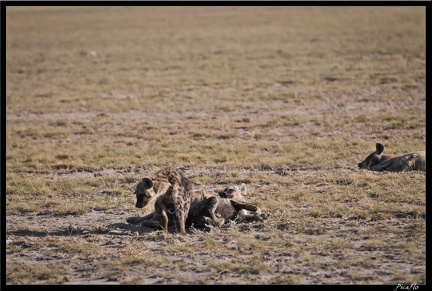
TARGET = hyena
(230,204)
(211,208)
(173,191)
(152,220)
(377,161)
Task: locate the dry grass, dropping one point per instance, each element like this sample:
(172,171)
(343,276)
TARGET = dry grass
(285,99)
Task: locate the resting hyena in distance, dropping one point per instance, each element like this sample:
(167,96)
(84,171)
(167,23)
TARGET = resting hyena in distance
(172,189)
(377,161)
(211,208)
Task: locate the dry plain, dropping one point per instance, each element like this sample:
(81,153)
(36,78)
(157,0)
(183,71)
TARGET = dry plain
(284,99)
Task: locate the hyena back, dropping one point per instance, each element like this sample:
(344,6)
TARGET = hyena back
(377,161)
(172,189)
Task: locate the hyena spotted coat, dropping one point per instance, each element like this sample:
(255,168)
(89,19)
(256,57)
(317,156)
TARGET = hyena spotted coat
(173,191)
(377,161)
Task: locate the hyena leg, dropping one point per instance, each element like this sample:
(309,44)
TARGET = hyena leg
(181,214)
(163,220)
(181,201)
(160,216)
(245,210)
(154,222)
(135,220)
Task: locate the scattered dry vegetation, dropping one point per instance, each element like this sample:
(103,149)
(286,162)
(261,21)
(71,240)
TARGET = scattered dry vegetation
(285,99)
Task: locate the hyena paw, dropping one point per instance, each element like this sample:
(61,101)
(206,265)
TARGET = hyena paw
(258,217)
(218,222)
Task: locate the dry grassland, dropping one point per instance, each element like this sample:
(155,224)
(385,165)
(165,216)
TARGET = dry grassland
(285,99)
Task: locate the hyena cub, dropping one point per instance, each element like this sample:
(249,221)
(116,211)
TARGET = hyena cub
(173,191)
(236,195)
(230,204)
(377,161)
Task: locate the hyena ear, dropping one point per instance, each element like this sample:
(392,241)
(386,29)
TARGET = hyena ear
(243,189)
(148,183)
(379,148)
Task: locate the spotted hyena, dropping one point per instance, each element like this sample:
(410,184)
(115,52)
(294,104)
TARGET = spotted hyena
(152,220)
(173,191)
(377,161)
(229,204)
(211,208)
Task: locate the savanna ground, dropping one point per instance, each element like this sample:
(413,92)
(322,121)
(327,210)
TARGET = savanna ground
(285,99)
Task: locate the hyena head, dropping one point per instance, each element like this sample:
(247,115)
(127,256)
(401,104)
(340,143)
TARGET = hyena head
(144,192)
(374,158)
(234,192)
